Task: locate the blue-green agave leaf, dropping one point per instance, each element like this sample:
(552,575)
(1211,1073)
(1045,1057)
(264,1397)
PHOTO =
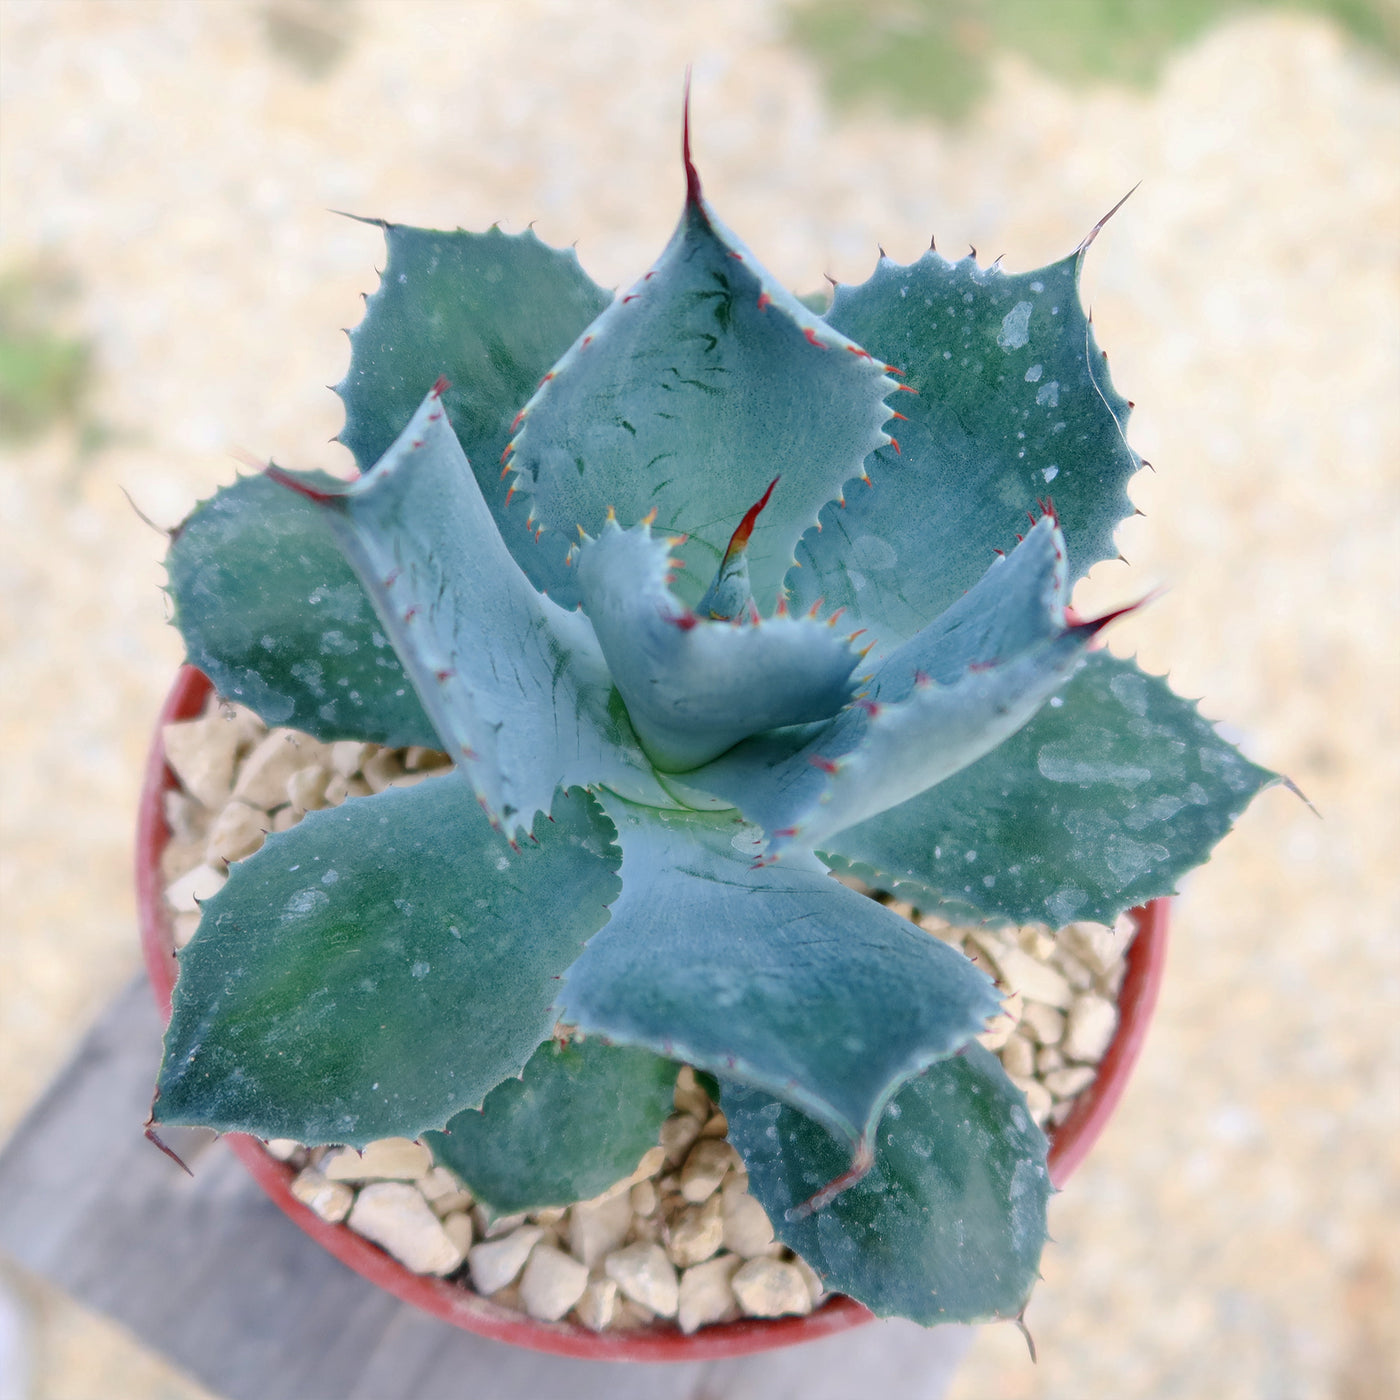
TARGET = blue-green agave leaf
(1112,792)
(939,702)
(380,967)
(578,1120)
(695,686)
(778,977)
(491,312)
(273,614)
(515,685)
(688,395)
(949,1223)
(1013,403)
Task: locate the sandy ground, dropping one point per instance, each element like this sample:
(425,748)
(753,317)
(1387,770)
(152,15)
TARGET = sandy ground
(1236,1233)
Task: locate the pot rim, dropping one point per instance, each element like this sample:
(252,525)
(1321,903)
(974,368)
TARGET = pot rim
(1070,1142)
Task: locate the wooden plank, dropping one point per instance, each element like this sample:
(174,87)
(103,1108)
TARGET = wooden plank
(209,1272)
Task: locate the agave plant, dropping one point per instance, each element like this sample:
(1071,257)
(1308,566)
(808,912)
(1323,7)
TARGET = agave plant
(707,595)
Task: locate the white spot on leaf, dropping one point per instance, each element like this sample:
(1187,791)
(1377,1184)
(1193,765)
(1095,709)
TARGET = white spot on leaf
(1015,327)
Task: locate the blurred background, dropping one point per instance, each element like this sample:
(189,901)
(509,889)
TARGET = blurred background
(171,288)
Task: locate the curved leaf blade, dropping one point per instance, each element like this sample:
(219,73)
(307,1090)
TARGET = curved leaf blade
(778,977)
(937,703)
(379,967)
(516,687)
(1013,403)
(578,1121)
(687,396)
(1099,804)
(948,1225)
(693,686)
(490,311)
(273,614)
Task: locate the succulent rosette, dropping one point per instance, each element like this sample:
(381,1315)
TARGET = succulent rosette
(706,595)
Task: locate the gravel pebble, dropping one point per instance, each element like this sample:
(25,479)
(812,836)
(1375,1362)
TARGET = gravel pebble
(443,1191)
(696,1233)
(690,1097)
(202,752)
(1018,1057)
(306,788)
(1045,1023)
(236,832)
(747,1229)
(347,756)
(678,1133)
(387,1159)
(1019,972)
(193,888)
(770,1288)
(263,776)
(552,1283)
(644,1273)
(399,1220)
(495,1263)
(331,1200)
(598,1305)
(1073,1079)
(1090,1027)
(459,1229)
(705,1167)
(707,1292)
(598,1227)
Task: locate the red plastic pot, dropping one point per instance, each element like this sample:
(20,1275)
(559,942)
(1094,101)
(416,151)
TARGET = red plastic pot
(1069,1144)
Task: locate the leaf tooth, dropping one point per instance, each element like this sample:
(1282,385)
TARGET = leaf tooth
(835,617)
(827,765)
(816,607)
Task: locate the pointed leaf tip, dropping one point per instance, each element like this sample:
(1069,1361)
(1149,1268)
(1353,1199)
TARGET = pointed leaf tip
(300,486)
(692,177)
